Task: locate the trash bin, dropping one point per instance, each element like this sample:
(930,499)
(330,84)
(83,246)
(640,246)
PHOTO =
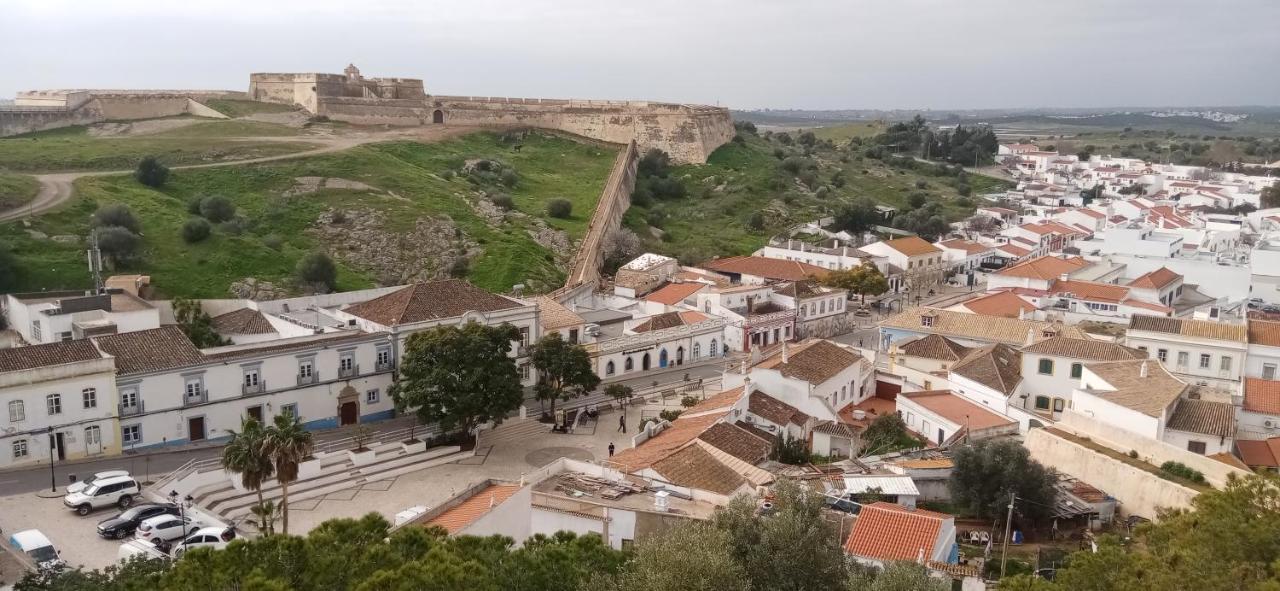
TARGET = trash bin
(71,478)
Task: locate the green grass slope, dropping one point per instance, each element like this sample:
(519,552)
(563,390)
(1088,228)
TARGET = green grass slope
(413,182)
(16,190)
(70,149)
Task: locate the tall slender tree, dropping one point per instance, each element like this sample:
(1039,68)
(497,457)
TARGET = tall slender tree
(245,455)
(287,443)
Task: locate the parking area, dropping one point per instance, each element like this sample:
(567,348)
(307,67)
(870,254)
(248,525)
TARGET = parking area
(75,536)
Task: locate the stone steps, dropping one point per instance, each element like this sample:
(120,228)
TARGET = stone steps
(513,430)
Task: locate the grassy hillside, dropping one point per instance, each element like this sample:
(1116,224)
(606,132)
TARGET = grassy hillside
(231,128)
(848,131)
(16,189)
(72,149)
(410,182)
(743,178)
(241,108)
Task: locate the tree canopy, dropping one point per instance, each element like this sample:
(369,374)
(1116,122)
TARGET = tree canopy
(196,323)
(459,377)
(986,472)
(564,370)
(863,280)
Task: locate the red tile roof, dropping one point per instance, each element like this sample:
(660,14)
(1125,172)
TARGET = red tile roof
(886,531)
(145,351)
(968,246)
(1001,303)
(814,361)
(767,268)
(431,300)
(956,409)
(242,321)
(1045,267)
(679,434)
(674,293)
(31,357)
(1091,290)
(1262,396)
(911,246)
(460,516)
(1263,332)
(670,320)
(1265,452)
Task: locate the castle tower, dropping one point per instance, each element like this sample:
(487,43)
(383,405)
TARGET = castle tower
(352,72)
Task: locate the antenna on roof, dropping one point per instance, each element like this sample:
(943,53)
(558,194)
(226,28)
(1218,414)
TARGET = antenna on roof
(94,255)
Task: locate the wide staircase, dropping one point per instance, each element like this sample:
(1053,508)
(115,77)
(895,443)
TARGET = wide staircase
(513,431)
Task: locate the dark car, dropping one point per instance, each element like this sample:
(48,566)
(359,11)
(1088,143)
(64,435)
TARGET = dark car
(127,522)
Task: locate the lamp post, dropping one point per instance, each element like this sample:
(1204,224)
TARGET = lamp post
(182,509)
(53,481)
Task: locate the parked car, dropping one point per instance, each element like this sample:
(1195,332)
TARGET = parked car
(1254,302)
(127,522)
(117,490)
(36,546)
(139,548)
(208,537)
(165,528)
(75,487)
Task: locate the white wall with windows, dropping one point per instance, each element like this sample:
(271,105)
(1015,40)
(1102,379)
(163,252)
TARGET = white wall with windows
(77,400)
(1194,360)
(628,356)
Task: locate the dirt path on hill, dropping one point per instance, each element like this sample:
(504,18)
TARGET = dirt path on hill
(58,188)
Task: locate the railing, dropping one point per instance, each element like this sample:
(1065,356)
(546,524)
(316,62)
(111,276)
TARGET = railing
(306,380)
(133,409)
(349,372)
(257,388)
(182,471)
(201,397)
(384,366)
(392,436)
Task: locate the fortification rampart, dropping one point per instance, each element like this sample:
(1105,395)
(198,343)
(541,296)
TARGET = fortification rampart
(41,110)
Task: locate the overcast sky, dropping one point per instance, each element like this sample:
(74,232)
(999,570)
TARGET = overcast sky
(739,53)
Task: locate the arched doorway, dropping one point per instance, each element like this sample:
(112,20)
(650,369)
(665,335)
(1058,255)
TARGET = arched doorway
(348,406)
(644,362)
(662,358)
(680,355)
(437,116)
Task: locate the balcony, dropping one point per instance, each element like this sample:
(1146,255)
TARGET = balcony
(306,380)
(132,409)
(191,399)
(384,366)
(522,351)
(257,388)
(348,372)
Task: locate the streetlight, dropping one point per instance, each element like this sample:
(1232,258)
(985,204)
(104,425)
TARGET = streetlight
(182,507)
(53,481)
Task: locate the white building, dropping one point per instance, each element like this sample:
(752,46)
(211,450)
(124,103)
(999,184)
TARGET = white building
(817,377)
(918,265)
(1259,414)
(50,317)
(835,257)
(941,416)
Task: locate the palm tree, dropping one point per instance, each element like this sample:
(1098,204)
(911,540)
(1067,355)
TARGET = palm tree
(245,456)
(287,443)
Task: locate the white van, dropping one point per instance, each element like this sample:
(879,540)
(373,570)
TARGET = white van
(139,548)
(36,546)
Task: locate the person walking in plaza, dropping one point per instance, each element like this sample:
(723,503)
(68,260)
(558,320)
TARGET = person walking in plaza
(622,423)
(611,449)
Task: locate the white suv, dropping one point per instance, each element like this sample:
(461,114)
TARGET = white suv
(117,490)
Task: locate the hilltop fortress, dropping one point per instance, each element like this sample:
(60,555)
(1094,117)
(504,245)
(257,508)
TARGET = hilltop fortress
(689,133)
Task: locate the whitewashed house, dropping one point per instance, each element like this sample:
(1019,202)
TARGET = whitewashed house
(1197,351)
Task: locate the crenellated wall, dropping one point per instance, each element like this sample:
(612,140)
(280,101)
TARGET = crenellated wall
(82,107)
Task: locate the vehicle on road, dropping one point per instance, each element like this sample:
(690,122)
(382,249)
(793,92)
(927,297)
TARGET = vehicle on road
(139,548)
(166,528)
(76,487)
(127,522)
(117,490)
(35,545)
(208,537)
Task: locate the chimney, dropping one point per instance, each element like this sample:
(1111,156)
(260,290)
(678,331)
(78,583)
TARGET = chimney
(1064,276)
(1142,370)
(660,500)
(747,386)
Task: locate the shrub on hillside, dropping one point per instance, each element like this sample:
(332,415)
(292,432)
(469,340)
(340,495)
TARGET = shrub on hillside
(116,214)
(560,208)
(459,268)
(317,269)
(508,177)
(503,201)
(1182,471)
(235,226)
(195,230)
(151,173)
(118,243)
(217,208)
(273,241)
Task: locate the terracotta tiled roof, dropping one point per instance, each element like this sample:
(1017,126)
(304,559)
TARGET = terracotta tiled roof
(774,410)
(738,442)
(989,329)
(306,343)
(31,357)
(767,268)
(669,320)
(955,570)
(814,361)
(1045,267)
(674,293)
(1005,304)
(835,429)
(717,401)
(458,517)
(926,464)
(1262,396)
(1091,290)
(911,246)
(957,409)
(1205,417)
(151,350)
(242,321)
(888,532)
(693,467)
(1097,215)
(968,246)
(679,434)
(1230,460)
(432,300)
(998,367)
(1264,452)
(1157,279)
(1187,327)
(1089,349)
(1146,305)
(553,315)
(1016,251)
(935,347)
(1149,395)
(803,289)
(1262,332)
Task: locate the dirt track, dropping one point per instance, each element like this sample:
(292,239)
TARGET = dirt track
(58,188)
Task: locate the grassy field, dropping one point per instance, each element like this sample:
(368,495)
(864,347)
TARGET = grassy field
(414,184)
(230,128)
(844,133)
(737,181)
(241,108)
(16,190)
(70,149)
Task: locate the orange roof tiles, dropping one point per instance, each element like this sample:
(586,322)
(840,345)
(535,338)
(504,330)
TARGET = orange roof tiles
(911,246)
(674,293)
(1262,396)
(670,440)
(1005,304)
(1265,452)
(885,531)
(716,401)
(968,246)
(458,517)
(1014,250)
(767,268)
(956,409)
(1091,290)
(1262,332)
(814,361)
(1045,267)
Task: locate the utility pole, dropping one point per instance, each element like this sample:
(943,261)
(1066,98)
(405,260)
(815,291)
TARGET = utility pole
(95,262)
(1008,525)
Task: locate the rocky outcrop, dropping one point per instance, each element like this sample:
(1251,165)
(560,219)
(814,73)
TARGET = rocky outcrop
(250,288)
(362,239)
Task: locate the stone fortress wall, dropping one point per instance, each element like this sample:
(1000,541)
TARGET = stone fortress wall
(689,133)
(39,110)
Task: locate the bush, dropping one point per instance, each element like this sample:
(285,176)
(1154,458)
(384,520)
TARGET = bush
(656,218)
(922,185)
(964,189)
(809,178)
(116,214)
(460,268)
(689,401)
(654,163)
(8,274)
(509,178)
(217,208)
(235,226)
(195,230)
(273,241)
(117,242)
(670,414)
(1181,470)
(756,221)
(560,208)
(151,173)
(317,269)
(503,201)
(448,175)
(917,200)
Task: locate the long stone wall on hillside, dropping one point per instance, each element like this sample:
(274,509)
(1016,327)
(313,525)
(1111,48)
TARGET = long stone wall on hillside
(1149,450)
(19,120)
(1139,492)
(584,269)
(111,106)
